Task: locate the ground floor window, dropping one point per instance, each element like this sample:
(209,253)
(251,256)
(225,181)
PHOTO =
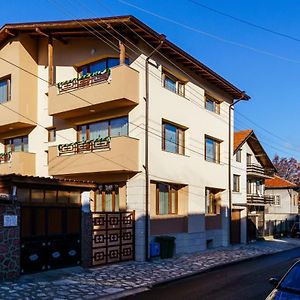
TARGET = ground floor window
(107,198)
(212,199)
(166,199)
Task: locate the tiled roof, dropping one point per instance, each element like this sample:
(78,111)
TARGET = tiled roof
(115,26)
(278,182)
(240,137)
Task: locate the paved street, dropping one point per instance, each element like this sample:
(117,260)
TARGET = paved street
(118,280)
(246,280)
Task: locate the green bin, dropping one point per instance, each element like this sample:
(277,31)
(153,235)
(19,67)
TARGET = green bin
(167,246)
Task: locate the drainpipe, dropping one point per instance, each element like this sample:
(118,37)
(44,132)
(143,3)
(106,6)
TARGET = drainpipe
(231,107)
(146,166)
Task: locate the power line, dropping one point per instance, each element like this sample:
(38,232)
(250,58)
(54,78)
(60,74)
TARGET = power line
(245,21)
(154,75)
(221,39)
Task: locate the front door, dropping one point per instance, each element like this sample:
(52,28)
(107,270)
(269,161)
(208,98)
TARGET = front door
(50,237)
(235,226)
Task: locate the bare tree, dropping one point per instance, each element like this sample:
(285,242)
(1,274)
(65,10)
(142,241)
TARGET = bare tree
(288,168)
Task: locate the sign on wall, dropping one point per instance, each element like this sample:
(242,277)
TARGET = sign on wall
(10,221)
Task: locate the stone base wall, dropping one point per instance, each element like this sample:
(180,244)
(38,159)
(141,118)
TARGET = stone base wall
(9,244)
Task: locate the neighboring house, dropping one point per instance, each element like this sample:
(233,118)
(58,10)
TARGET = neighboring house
(78,113)
(251,166)
(286,200)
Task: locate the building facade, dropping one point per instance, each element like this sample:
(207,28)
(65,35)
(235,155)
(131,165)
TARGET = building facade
(73,107)
(250,168)
(286,200)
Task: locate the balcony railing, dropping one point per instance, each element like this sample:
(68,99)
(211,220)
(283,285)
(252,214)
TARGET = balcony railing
(260,199)
(258,170)
(84,146)
(83,81)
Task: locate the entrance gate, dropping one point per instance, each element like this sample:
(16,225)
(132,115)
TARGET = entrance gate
(112,237)
(50,237)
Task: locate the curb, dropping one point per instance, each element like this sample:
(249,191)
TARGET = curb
(216,267)
(148,287)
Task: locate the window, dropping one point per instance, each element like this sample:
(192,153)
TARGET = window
(107,198)
(51,134)
(212,201)
(173,84)
(277,200)
(236,183)
(295,200)
(17,144)
(238,155)
(172,138)
(212,150)
(5,89)
(112,128)
(166,199)
(212,104)
(249,159)
(100,65)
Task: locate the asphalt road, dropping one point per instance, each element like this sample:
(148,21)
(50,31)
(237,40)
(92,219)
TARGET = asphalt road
(246,280)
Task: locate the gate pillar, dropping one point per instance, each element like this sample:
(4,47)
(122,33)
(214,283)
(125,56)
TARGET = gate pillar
(9,240)
(86,231)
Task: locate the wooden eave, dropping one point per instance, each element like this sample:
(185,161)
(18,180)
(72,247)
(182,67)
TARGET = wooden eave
(124,25)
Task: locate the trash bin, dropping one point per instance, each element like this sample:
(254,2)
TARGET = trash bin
(154,249)
(167,246)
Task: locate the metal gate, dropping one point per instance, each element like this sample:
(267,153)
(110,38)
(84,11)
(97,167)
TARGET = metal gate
(50,238)
(112,237)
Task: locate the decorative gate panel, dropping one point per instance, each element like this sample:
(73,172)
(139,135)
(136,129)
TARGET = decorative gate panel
(50,238)
(113,237)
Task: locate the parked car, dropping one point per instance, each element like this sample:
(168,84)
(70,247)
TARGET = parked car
(295,231)
(288,287)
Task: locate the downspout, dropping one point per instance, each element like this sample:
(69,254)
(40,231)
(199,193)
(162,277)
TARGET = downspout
(231,107)
(146,166)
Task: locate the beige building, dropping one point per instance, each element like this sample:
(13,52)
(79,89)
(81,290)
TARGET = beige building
(73,107)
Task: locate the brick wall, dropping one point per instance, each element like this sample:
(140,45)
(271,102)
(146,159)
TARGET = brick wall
(9,244)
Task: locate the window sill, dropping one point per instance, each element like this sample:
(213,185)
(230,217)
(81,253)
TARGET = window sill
(212,215)
(174,153)
(213,162)
(236,192)
(168,216)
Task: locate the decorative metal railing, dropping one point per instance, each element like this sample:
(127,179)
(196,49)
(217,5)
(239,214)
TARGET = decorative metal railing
(84,146)
(113,237)
(5,157)
(83,81)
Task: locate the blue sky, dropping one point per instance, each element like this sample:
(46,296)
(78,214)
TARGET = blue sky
(272,79)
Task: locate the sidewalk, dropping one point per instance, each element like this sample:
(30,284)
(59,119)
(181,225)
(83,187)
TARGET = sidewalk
(115,281)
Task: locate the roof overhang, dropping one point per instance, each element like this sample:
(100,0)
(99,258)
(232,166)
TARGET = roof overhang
(119,26)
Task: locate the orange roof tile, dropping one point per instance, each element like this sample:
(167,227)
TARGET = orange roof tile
(278,182)
(240,137)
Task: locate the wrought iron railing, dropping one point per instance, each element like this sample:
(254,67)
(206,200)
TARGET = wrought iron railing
(5,157)
(83,81)
(84,146)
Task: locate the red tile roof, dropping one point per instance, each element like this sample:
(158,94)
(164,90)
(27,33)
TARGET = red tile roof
(278,182)
(240,137)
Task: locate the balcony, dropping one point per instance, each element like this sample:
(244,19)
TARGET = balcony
(255,170)
(256,199)
(88,160)
(17,162)
(97,93)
